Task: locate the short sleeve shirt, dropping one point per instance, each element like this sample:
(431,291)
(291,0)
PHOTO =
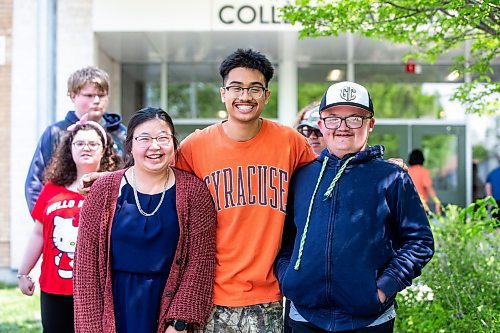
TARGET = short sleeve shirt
(58,209)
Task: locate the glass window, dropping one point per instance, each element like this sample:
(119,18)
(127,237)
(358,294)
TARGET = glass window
(391,143)
(440,153)
(314,79)
(141,87)
(194,92)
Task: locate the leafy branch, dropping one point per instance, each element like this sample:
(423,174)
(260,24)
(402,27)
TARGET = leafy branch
(430,27)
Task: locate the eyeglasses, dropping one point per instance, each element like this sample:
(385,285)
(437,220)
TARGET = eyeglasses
(308,131)
(93,96)
(92,145)
(145,141)
(236,91)
(351,122)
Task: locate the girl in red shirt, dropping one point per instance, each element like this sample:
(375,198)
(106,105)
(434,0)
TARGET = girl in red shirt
(85,148)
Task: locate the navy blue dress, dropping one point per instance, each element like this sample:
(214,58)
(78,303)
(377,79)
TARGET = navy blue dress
(142,252)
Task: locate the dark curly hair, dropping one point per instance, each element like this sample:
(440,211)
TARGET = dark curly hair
(140,117)
(62,169)
(246,58)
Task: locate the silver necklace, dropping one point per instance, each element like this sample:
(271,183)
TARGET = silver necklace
(138,204)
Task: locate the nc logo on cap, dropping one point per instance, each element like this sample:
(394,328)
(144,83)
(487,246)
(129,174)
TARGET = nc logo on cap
(348,93)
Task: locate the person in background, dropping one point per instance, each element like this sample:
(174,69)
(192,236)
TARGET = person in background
(88,89)
(85,148)
(355,231)
(492,186)
(478,186)
(421,177)
(145,257)
(308,127)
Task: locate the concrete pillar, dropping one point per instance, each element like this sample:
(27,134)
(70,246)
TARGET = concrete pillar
(288,78)
(350,57)
(23,121)
(75,46)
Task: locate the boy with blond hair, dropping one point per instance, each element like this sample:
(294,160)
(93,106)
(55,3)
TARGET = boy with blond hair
(88,89)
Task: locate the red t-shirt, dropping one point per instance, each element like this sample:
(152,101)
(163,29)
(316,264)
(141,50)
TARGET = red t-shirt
(58,209)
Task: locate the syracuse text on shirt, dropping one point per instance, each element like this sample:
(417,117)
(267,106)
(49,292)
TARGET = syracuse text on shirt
(262,185)
(63,204)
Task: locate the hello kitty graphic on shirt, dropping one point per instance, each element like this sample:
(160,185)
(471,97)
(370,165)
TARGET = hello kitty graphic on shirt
(64,237)
(58,210)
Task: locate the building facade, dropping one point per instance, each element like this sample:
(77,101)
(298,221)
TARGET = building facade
(166,53)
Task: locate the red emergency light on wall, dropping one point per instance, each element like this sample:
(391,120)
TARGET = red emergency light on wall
(410,66)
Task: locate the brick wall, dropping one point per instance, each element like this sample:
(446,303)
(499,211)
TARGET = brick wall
(5,96)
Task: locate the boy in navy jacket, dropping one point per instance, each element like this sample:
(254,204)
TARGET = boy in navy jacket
(88,89)
(356,232)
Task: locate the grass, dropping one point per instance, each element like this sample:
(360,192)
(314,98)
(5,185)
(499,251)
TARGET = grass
(19,313)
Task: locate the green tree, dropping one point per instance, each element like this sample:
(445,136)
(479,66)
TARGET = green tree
(430,27)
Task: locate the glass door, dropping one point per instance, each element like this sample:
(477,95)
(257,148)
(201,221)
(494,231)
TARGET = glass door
(394,138)
(444,151)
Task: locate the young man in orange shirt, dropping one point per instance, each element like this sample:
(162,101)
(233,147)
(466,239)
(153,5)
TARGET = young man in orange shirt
(246,162)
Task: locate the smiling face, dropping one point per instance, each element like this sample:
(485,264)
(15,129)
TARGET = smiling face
(87,151)
(245,108)
(92,100)
(156,155)
(345,140)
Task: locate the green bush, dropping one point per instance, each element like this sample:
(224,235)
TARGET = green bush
(459,288)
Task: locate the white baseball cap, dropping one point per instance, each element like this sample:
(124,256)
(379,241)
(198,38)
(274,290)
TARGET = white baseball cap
(346,93)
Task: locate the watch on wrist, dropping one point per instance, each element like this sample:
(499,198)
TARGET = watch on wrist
(180,325)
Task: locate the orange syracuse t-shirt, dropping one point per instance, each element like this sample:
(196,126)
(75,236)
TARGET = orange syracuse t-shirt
(249,184)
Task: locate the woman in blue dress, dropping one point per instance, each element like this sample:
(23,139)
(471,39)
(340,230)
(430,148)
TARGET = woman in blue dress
(145,257)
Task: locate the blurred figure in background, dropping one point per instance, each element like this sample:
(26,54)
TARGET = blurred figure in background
(421,177)
(307,125)
(478,186)
(493,184)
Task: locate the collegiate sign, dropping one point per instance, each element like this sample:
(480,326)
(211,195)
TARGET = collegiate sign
(248,15)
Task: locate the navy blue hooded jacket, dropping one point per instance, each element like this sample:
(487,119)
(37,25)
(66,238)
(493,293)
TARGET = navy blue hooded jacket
(371,233)
(49,141)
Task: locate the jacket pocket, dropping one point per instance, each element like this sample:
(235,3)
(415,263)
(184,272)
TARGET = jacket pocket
(358,296)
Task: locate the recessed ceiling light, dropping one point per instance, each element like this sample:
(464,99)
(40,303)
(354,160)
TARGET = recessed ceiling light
(453,76)
(334,75)
(222,114)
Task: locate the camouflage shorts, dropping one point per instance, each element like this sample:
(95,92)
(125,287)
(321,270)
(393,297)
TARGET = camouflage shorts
(260,318)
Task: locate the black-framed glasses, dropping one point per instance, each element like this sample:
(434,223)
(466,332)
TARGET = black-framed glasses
(237,91)
(307,131)
(92,145)
(353,122)
(145,141)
